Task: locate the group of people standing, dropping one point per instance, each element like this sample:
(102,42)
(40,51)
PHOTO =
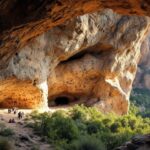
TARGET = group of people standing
(15,111)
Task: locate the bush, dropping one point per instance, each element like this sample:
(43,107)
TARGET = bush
(115,126)
(83,113)
(5,145)
(86,143)
(75,129)
(95,127)
(62,128)
(79,113)
(141,99)
(57,127)
(114,140)
(7,132)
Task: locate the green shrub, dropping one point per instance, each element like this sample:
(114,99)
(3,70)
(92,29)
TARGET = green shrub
(79,113)
(83,113)
(67,129)
(141,99)
(82,127)
(6,132)
(86,143)
(57,127)
(62,128)
(115,126)
(114,140)
(95,127)
(5,145)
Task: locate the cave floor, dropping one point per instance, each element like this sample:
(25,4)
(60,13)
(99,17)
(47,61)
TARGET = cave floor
(24,137)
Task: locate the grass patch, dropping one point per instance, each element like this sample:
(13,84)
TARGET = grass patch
(5,131)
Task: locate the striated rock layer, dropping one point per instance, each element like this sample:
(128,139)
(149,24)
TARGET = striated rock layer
(90,59)
(21,21)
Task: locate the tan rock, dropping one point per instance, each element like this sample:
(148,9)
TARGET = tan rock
(21,21)
(142,79)
(18,93)
(90,59)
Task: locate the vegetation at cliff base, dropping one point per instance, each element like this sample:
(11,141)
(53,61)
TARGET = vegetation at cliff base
(141,99)
(74,129)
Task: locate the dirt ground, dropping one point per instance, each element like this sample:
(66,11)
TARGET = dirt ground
(24,137)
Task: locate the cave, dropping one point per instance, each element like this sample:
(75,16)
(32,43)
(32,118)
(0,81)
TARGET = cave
(62,100)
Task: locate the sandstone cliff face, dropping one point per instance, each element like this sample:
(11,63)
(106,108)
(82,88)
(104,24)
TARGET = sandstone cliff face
(142,79)
(90,59)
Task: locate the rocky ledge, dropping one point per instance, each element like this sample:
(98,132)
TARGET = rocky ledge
(141,142)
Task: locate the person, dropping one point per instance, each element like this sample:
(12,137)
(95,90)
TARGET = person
(19,115)
(10,121)
(13,120)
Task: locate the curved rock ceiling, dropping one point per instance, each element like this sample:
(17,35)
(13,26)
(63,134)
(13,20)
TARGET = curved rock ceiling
(89,59)
(21,21)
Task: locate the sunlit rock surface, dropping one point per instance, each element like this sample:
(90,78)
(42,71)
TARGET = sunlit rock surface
(142,79)
(23,20)
(90,59)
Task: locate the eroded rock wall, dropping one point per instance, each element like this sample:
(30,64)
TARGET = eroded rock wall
(21,21)
(90,59)
(142,79)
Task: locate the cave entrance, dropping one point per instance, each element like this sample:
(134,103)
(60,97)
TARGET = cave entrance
(62,100)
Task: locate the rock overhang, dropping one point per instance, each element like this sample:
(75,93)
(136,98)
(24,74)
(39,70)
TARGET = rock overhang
(101,75)
(110,45)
